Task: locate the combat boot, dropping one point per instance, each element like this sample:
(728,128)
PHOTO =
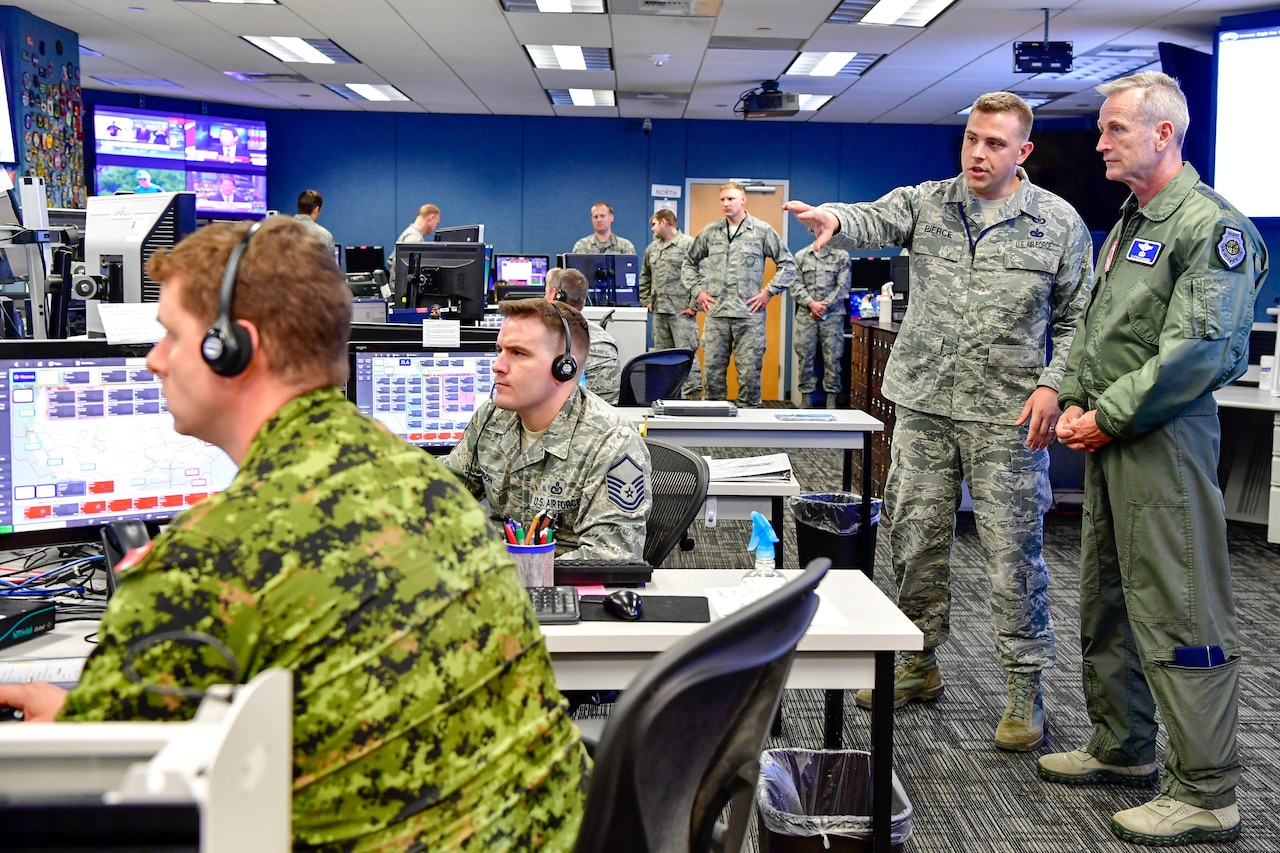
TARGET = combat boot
(1021,728)
(915,677)
(1166,822)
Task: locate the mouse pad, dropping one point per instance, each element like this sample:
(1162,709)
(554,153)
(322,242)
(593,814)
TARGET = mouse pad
(657,608)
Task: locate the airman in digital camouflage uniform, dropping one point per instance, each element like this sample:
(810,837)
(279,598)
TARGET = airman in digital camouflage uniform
(725,270)
(664,292)
(425,711)
(602,240)
(821,293)
(1168,324)
(544,444)
(997,266)
(604,365)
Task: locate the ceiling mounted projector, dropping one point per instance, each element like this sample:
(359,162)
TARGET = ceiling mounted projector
(1040,57)
(769,102)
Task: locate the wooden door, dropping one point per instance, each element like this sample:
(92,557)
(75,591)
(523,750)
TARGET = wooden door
(703,209)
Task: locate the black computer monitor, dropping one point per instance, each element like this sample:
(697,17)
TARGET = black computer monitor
(611,279)
(425,395)
(522,270)
(365,258)
(448,276)
(460,234)
(86,439)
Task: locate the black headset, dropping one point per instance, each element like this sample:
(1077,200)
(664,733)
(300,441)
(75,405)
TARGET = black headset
(564,367)
(560,297)
(227,347)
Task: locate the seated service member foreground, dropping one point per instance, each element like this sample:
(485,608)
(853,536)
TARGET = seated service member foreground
(546,444)
(425,711)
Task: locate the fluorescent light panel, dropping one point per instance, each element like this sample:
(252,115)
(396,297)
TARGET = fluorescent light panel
(812,103)
(294,49)
(582,97)
(900,13)
(820,64)
(570,57)
(588,7)
(367,91)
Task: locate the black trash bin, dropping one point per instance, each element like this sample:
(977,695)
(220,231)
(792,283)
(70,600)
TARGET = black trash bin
(827,525)
(815,801)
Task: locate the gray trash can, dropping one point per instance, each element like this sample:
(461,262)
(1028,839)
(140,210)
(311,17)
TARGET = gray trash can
(827,525)
(815,801)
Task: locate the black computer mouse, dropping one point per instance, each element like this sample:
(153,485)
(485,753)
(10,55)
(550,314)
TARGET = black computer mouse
(624,603)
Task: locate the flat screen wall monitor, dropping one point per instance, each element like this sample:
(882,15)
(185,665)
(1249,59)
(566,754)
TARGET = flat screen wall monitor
(426,396)
(611,279)
(524,270)
(460,234)
(365,258)
(449,276)
(86,439)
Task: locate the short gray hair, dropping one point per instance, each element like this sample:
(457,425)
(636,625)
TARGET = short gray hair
(1161,99)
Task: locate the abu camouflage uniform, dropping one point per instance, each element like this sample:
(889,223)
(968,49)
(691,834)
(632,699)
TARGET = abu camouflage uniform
(615,245)
(970,352)
(591,467)
(425,710)
(603,370)
(663,290)
(821,276)
(1167,325)
(727,261)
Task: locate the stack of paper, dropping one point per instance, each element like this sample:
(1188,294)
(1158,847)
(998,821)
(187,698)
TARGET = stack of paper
(775,466)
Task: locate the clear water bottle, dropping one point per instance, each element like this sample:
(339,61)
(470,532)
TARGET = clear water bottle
(764,578)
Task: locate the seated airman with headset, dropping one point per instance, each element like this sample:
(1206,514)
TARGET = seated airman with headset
(426,715)
(544,444)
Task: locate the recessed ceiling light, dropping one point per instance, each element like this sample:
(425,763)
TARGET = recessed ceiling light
(590,7)
(239,2)
(812,103)
(570,57)
(1034,100)
(294,49)
(582,97)
(820,64)
(900,13)
(368,91)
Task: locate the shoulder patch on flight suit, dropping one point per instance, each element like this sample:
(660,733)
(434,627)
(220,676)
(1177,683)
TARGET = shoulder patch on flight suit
(1144,251)
(626,484)
(1231,247)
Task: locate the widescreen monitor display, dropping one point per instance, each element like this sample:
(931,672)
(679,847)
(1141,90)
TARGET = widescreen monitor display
(222,160)
(522,270)
(87,439)
(426,397)
(1244,170)
(452,277)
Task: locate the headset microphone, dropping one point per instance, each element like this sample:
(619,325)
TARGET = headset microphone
(227,347)
(564,367)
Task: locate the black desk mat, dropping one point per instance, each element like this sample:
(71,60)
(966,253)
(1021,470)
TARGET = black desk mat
(657,608)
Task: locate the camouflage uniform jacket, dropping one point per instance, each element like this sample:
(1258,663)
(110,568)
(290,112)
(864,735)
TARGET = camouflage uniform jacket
(325,235)
(604,369)
(615,245)
(425,709)
(727,261)
(822,276)
(591,466)
(983,300)
(411,235)
(1170,317)
(661,282)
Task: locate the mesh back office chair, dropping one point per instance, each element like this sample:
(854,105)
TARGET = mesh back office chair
(685,738)
(654,375)
(679,485)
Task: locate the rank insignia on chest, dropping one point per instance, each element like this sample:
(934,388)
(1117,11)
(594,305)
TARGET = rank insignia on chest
(1144,251)
(1231,247)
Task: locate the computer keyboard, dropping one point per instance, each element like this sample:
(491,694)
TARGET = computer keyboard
(555,605)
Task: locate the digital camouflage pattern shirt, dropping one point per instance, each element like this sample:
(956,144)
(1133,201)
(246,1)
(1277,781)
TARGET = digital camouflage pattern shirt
(426,715)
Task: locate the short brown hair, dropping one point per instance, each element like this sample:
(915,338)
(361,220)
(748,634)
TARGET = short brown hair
(1006,102)
(573,284)
(550,314)
(310,201)
(664,215)
(288,286)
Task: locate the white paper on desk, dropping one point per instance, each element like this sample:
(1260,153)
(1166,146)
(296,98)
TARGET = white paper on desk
(130,322)
(52,670)
(772,466)
(730,599)
(442,333)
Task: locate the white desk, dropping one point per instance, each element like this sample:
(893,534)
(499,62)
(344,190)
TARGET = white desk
(1251,398)
(764,428)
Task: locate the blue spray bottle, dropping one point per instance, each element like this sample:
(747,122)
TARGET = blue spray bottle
(764,577)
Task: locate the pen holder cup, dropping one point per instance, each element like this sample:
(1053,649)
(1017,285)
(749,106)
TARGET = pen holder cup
(535,563)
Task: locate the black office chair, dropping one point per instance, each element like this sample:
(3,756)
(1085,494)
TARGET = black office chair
(654,375)
(678,484)
(685,738)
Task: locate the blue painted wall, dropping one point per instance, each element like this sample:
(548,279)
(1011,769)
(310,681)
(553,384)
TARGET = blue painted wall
(531,181)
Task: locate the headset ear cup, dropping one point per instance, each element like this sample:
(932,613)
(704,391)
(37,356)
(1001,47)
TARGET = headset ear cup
(227,348)
(564,367)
